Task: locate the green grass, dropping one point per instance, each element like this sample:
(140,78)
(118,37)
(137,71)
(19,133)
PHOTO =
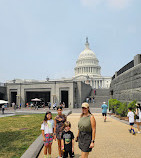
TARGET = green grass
(17,133)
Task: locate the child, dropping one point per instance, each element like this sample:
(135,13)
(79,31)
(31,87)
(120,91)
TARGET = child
(67,141)
(131,120)
(47,128)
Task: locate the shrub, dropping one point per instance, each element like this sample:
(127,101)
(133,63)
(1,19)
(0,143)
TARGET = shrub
(114,104)
(132,105)
(123,109)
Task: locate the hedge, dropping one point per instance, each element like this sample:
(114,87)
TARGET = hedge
(121,108)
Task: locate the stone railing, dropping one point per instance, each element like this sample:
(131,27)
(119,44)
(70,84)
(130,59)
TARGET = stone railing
(126,67)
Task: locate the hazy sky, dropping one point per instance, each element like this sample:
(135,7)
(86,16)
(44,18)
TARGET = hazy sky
(40,38)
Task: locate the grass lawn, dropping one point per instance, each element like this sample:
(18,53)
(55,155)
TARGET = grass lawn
(17,133)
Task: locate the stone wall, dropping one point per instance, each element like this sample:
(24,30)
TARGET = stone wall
(127,86)
(84,91)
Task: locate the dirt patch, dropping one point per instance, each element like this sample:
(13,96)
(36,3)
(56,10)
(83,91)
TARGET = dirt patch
(26,116)
(23,128)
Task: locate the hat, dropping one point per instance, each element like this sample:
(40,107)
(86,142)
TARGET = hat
(104,102)
(85,105)
(137,104)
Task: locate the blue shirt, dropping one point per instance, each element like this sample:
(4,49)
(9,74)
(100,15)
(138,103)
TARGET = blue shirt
(104,108)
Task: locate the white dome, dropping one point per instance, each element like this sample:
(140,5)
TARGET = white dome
(87,53)
(87,63)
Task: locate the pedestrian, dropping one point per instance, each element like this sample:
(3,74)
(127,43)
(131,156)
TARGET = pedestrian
(63,105)
(90,99)
(131,120)
(67,141)
(36,106)
(138,116)
(27,105)
(54,106)
(47,128)
(95,92)
(13,105)
(87,100)
(86,131)
(93,99)
(104,110)
(59,121)
(3,108)
(49,105)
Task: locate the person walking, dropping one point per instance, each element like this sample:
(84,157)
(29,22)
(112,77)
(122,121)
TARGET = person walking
(67,141)
(49,105)
(131,120)
(86,131)
(59,121)
(104,110)
(3,108)
(93,99)
(138,116)
(90,99)
(47,128)
(54,106)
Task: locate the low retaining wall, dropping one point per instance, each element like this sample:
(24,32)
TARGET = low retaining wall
(34,149)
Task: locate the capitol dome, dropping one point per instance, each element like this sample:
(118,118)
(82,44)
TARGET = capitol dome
(87,63)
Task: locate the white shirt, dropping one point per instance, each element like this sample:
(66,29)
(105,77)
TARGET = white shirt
(131,117)
(48,127)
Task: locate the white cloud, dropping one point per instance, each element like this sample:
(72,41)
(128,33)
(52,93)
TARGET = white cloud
(119,4)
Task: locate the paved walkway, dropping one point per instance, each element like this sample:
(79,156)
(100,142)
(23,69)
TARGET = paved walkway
(23,111)
(112,139)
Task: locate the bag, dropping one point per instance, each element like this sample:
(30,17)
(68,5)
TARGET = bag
(136,117)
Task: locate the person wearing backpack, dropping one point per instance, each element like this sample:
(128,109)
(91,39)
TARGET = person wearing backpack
(138,116)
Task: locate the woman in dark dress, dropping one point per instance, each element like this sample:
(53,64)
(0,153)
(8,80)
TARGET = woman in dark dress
(59,121)
(86,131)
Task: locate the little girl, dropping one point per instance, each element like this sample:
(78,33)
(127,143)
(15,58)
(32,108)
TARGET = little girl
(47,128)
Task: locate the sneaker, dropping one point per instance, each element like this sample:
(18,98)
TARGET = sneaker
(130,131)
(72,154)
(134,133)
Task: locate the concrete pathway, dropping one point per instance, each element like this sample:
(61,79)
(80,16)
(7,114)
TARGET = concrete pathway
(24,111)
(112,139)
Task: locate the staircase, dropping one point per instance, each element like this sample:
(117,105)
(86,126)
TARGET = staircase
(102,95)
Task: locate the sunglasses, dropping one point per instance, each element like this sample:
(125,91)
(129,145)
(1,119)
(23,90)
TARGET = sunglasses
(84,108)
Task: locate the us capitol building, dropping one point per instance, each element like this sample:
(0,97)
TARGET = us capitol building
(88,70)
(72,91)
